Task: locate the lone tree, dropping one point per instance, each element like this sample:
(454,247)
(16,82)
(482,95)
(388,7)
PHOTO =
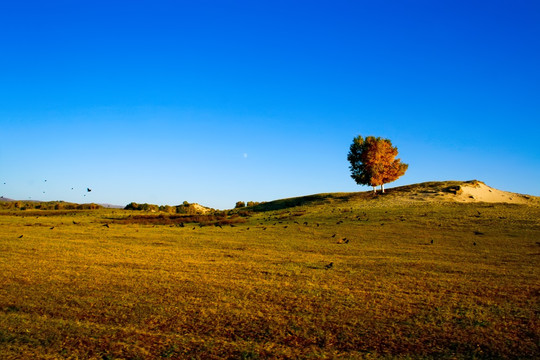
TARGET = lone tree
(373,162)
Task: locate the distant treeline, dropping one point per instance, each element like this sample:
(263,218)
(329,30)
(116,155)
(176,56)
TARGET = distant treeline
(241,204)
(49,205)
(184,208)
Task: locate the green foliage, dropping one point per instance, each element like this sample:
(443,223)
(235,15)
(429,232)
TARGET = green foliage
(168,209)
(240,204)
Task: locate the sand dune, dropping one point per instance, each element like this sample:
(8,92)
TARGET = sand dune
(474,191)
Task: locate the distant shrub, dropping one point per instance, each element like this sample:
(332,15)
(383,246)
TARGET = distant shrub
(456,189)
(132,206)
(240,204)
(90,206)
(168,209)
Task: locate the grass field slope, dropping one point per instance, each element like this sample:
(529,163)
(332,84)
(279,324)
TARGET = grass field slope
(438,270)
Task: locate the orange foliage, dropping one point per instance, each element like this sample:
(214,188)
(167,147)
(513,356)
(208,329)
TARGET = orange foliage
(373,161)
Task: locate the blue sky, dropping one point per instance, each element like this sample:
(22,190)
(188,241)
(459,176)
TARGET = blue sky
(220,101)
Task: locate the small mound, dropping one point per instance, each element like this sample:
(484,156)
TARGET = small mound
(199,209)
(475,190)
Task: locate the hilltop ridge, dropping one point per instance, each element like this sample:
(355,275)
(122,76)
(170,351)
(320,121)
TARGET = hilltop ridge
(432,191)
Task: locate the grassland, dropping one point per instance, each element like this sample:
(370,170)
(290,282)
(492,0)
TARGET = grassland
(409,279)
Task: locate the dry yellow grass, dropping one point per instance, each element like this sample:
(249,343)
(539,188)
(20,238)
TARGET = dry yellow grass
(261,289)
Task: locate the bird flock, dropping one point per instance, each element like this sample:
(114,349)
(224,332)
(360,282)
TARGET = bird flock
(44,188)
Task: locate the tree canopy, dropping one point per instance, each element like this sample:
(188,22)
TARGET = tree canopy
(373,161)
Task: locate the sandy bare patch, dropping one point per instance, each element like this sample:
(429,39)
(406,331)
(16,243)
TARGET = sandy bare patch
(478,191)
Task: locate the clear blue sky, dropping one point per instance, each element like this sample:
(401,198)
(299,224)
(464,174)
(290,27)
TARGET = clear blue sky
(220,101)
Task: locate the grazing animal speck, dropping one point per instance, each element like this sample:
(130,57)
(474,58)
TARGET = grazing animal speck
(474,243)
(478,232)
(329,266)
(285,226)
(305,222)
(75,222)
(334,235)
(106,225)
(21,236)
(52,227)
(431,241)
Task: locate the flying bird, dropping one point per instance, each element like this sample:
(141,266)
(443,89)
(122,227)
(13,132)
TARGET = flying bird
(88,189)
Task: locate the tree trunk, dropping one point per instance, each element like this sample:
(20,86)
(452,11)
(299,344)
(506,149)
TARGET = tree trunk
(374,189)
(382,188)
